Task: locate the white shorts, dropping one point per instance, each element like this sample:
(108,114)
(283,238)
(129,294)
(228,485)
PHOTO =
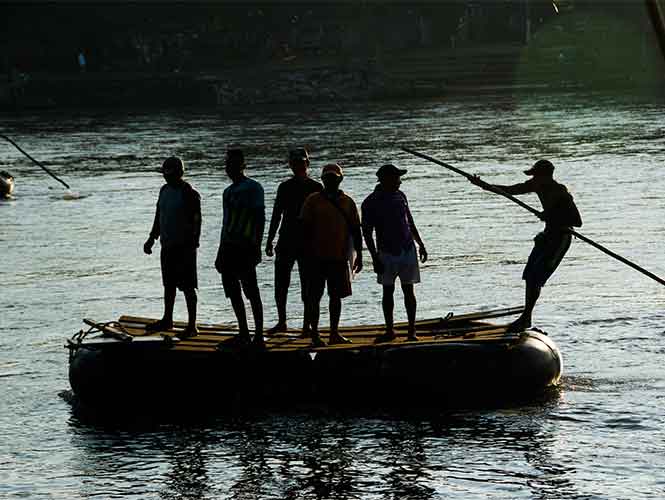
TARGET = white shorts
(405,266)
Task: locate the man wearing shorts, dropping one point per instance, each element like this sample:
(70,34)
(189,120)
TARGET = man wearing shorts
(239,253)
(333,250)
(559,213)
(177,224)
(386,211)
(291,195)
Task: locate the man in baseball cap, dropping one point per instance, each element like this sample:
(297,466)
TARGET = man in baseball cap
(330,221)
(559,213)
(291,195)
(386,211)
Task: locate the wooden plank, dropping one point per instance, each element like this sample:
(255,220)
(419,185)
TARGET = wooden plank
(137,323)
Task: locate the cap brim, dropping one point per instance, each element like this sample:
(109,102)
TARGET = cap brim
(529,172)
(400,172)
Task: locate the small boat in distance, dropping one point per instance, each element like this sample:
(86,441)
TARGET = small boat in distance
(6,184)
(459,361)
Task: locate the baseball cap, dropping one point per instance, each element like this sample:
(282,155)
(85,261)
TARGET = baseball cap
(541,167)
(389,169)
(332,169)
(298,154)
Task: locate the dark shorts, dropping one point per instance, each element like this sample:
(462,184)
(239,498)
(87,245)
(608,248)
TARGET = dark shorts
(335,273)
(179,268)
(285,259)
(548,251)
(238,270)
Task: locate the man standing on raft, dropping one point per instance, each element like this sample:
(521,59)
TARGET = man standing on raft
(178,226)
(333,250)
(559,213)
(239,253)
(386,210)
(291,195)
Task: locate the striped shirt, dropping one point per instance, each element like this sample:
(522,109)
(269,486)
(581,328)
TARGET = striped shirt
(243,217)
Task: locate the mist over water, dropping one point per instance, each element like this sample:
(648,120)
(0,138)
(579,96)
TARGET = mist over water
(600,436)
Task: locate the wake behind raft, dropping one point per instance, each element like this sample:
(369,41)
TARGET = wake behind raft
(461,359)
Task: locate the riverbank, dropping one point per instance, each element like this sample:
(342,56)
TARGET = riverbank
(320,79)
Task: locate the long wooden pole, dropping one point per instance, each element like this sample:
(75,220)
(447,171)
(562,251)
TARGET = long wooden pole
(536,212)
(35,161)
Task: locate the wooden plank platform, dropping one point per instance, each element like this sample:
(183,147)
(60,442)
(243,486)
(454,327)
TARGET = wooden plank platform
(469,327)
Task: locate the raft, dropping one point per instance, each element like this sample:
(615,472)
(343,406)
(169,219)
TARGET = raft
(457,359)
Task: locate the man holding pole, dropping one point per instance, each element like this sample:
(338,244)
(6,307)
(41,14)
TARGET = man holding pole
(559,213)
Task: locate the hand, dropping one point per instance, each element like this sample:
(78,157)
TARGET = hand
(474,179)
(378,265)
(147,246)
(269,249)
(423,253)
(358,264)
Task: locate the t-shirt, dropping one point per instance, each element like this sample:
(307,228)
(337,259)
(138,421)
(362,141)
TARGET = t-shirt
(291,195)
(388,213)
(326,230)
(243,217)
(178,218)
(558,205)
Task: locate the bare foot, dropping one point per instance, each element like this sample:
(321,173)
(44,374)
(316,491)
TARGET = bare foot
(336,338)
(517,326)
(279,327)
(388,336)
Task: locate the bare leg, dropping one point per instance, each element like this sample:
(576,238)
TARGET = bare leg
(239,310)
(306,323)
(335,305)
(254,296)
(166,323)
(191,299)
(410,304)
(388,304)
(313,309)
(283,268)
(169,303)
(531,295)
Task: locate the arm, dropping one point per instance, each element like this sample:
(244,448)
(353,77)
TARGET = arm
(513,189)
(368,230)
(196,218)
(154,233)
(219,258)
(260,220)
(416,236)
(275,219)
(357,238)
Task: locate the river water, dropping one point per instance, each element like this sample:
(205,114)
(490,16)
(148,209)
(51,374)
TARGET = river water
(601,436)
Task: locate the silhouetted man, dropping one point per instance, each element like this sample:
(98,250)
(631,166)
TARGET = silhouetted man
(560,214)
(331,227)
(386,210)
(239,251)
(291,195)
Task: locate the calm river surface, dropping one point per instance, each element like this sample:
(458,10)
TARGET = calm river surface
(602,436)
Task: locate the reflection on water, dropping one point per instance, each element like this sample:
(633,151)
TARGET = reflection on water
(331,456)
